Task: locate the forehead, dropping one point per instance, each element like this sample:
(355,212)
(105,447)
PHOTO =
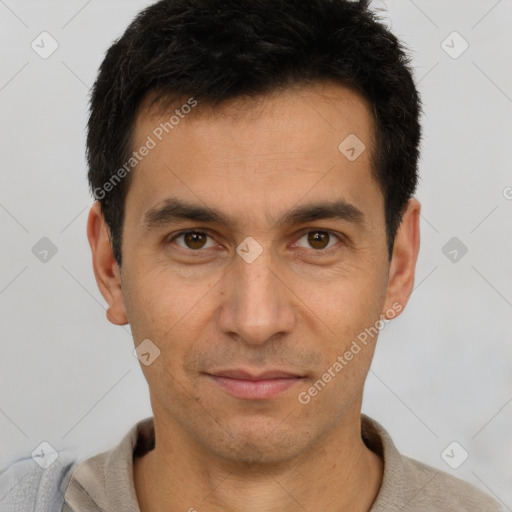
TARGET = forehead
(267,151)
(317,116)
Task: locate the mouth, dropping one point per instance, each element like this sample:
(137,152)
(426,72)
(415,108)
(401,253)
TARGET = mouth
(251,386)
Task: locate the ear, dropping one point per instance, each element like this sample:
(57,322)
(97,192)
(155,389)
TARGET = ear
(105,267)
(403,261)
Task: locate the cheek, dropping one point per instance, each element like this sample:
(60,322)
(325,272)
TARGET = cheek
(173,315)
(344,306)
(158,301)
(347,337)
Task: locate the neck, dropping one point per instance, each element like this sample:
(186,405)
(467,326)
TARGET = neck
(338,473)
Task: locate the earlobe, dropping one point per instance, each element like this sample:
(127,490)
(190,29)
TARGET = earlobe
(105,266)
(403,263)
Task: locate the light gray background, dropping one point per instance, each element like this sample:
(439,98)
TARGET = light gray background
(442,371)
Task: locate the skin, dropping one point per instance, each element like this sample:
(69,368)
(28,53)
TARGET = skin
(292,308)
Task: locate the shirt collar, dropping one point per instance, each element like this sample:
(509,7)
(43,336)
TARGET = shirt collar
(106,479)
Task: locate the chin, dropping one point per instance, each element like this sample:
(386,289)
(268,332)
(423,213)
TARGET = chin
(260,446)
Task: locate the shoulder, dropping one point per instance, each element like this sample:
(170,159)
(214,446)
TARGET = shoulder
(409,485)
(428,488)
(26,485)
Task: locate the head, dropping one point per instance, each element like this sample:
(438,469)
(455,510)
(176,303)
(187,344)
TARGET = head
(224,117)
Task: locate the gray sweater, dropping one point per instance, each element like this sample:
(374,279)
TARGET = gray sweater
(104,482)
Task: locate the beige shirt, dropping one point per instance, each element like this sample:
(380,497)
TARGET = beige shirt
(104,482)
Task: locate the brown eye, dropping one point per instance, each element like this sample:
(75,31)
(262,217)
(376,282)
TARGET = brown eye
(319,240)
(194,240)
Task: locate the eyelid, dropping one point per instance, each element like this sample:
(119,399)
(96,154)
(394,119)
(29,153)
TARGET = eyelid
(330,232)
(191,230)
(301,233)
(298,236)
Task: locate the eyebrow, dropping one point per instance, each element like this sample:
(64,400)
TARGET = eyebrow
(173,210)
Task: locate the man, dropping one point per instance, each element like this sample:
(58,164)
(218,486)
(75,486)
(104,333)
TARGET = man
(254,164)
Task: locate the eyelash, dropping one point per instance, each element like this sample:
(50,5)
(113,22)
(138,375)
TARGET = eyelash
(325,252)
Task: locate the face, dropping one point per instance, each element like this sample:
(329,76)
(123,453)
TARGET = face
(282,270)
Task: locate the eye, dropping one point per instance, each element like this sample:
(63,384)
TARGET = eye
(318,239)
(193,240)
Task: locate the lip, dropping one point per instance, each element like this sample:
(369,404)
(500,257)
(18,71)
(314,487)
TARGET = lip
(248,386)
(245,375)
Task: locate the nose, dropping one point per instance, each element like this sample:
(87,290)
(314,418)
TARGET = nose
(258,304)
